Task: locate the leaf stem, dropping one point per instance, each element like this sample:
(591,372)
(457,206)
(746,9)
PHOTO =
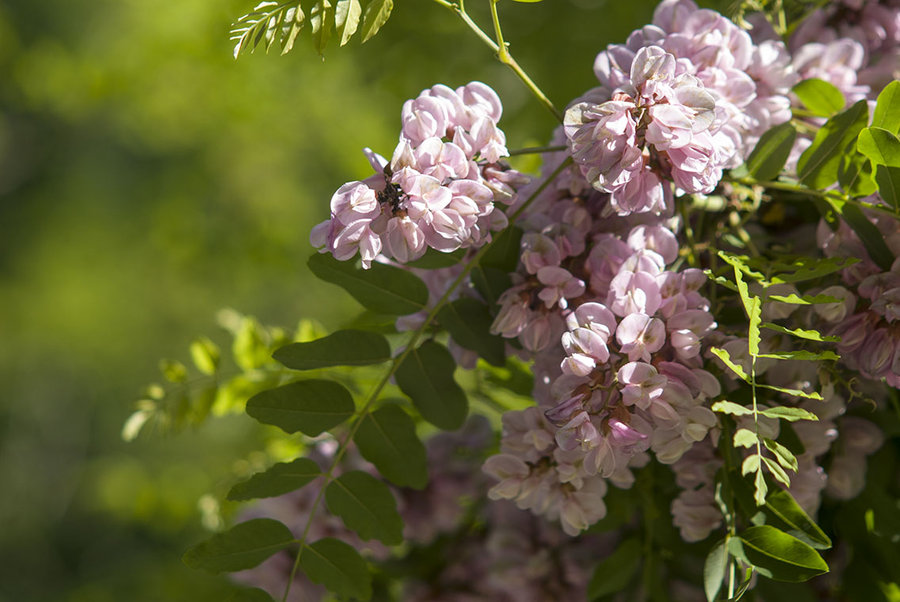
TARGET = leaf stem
(397,361)
(534,150)
(500,48)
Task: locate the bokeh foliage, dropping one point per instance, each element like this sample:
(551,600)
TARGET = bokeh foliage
(148,180)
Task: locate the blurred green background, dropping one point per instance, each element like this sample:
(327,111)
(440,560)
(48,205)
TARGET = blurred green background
(147,180)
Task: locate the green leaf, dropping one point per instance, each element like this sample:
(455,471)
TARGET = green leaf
(504,252)
(759,495)
(789,414)
(887,108)
(818,165)
(810,335)
(337,566)
(346,19)
(469,322)
(820,97)
(279,479)
(321,18)
(435,260)
(250,595)
(776,554)
(242,547)
(714,570)
(771,152)
(867,232)
(366,505)
(745,438)
(490,282)
(309,406)
(387,438)
(377,14)
(802,355)
(880,146)
(723,355)
(426,376)
(299,18)
(888,180)
(782,454)
(383,289)
(801,269)
(249,347)
(750,464)
(855,172)
(783,509)
(777,472)
(729,407)
(341,348)
(616,571)
(794,392)
(755,311)
(803,299)
(173,371)
(205,355)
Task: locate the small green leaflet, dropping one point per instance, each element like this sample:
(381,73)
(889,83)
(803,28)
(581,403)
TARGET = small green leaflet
(309,406)
(782,454)
(366,506)
(810,335)
(387,438)
(383,289)
(377,14)
(855,172)
(745,438)
(802,355)
(426,376)
(818,165)
(281,478)
(820,97)
(880,146)
(714,570)
(794,392)
(469,321)
(726,359)
(793,299)
(866,230)
(887,177)
(729,407)
(346,19)
(887,108)
(750,464)
(777,555)
(205,355)
(341,348)
(771,152)
(755,311)
(801,269)
(789,414)
(777,471)
(337,566)
(242,547)
(616,571)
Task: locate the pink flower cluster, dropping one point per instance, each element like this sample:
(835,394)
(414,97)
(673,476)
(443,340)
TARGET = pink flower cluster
(439,188)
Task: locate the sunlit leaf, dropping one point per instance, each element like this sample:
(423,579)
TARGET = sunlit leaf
(810,335)
(802,355)
(823,99)
(366,506)
(745,438)
(755,311)
(789,414)
(777,555)
(341,348)
(887,108)
(337,566)
(801,269)
(771,152)
(777,471)
(387,438)
(784,510)
(205,355)
(887,177)
(793,299)
(383,289)
(723,355)
(616,571)
(377,14)
(309,406)
(750,464)
(281,478)
(729,407)
(346,19)
(794,392)
(714,570)
(242,547)
(880,146)
(818,165)
(782,454)
(426,376)
(469,322)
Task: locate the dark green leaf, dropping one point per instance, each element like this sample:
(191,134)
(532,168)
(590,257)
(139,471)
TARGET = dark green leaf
(784,513)
(888,180)
(867,232)
(771,152)
(714,570)
(469,322)
(242,547)
(887,108)
(309,406)
(880,146)
(820,97)
(818,165)
(383,289)
(504,252)
(490,282)
(341,348)
(281,478)
(377,14)
(250,595)
(346,19)
(801,269)
(366,505)
(387,438)
(337,566)
(616,571)
(435,260)
(777,555)
(426,376)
